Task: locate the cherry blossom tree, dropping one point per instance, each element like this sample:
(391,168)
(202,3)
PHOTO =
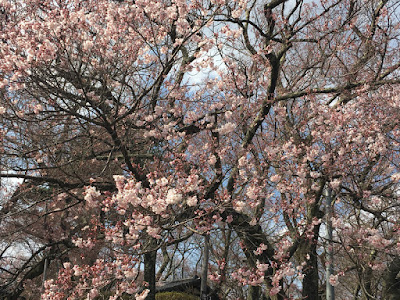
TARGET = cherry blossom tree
(138,126)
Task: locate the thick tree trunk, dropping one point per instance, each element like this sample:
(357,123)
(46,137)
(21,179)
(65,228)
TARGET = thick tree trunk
(310,280)
(392,281)
(254,293)
(149,275)
(310,270)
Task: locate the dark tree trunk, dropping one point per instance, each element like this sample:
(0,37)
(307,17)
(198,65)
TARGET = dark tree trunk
(254,293)
(149,275)
(310,280)
(391,281)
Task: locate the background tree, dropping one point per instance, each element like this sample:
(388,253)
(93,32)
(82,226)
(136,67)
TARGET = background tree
(138,126)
